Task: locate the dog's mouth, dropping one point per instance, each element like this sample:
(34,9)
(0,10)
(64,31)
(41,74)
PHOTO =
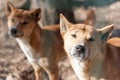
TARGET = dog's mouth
(15,35)
(80,55)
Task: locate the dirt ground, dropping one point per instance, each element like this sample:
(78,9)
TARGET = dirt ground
(13,63)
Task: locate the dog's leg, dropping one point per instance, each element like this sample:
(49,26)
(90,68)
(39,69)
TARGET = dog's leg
(38,71)
(53,73)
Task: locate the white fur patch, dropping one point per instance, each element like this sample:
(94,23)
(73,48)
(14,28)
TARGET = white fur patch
(28,50)
(78,68)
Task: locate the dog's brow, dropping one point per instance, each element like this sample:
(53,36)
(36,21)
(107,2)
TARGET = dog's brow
(76,32)
(24,16)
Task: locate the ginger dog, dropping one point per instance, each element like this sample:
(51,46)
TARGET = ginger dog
(43,47)
(85,48)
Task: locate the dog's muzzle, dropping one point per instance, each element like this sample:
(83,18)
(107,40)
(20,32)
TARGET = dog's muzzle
(13,32)
(79,52)
(79,49)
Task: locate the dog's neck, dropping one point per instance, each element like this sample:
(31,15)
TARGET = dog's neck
(89,69)
(34,45)
(36,37)
(96,67)
(31,46)
(41,39)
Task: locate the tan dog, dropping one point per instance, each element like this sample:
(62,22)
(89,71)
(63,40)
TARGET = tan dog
(85,48)
(43,47)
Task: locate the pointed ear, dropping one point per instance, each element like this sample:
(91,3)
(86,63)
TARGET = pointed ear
(105,32)
(9,8)
(91,18)
(64,24)
(36,14)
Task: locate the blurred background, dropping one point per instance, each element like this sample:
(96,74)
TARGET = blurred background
(13,63)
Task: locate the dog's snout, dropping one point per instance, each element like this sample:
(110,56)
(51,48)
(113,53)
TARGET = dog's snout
(80,48)
(13,31)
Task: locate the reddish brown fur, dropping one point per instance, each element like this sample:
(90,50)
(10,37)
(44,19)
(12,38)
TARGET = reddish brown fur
(112,59)
(90,20)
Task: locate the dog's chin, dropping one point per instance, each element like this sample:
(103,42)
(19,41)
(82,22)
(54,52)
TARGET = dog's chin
(82,57)
(15,35)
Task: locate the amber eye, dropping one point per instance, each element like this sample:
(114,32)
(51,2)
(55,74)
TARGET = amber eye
(73,35)
(91,39)
(24,22)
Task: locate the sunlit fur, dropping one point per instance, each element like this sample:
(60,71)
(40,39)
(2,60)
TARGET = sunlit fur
(89,67)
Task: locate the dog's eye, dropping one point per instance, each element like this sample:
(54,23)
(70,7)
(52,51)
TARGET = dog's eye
(12,20)
(73,35)
(25,22)
(91,39)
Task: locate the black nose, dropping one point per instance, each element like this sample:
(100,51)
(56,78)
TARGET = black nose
(13,30)
(80,48)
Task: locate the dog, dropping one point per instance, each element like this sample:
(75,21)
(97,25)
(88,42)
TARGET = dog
(85,48)
(43,47)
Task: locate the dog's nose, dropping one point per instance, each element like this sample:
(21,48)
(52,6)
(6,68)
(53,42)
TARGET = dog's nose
(80,48)
(13,30)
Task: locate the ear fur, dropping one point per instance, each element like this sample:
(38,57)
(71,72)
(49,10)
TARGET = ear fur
(64,24)
(9,8)
(36,14)
(91,18)
(105,31)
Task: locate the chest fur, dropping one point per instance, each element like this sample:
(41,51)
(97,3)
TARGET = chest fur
(31,54)
(87,70)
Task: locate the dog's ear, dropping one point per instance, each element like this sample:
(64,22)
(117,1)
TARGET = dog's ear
(64,24)
(36,14)
(105,32)
(9,8)
(91,18)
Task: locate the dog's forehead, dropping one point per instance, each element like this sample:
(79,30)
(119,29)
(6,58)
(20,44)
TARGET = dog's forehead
(81,27)
(19,13)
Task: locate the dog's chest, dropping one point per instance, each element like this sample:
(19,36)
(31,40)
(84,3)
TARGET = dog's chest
(83,73)
(79,69)
(28,50)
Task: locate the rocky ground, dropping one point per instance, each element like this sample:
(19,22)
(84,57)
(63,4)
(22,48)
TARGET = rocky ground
(13,63)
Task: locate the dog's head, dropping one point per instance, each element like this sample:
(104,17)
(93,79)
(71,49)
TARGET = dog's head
(21,22)
(81,41)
